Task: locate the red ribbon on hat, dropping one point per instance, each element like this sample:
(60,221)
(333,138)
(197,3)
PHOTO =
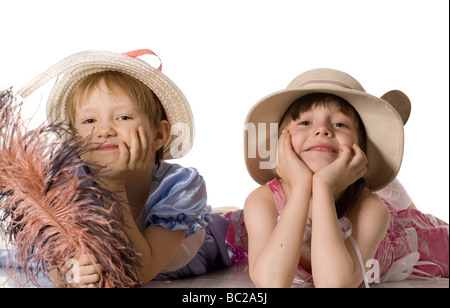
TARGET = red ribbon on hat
(141,52)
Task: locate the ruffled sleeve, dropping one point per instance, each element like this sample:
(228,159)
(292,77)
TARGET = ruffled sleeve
(396,195)
(178,199)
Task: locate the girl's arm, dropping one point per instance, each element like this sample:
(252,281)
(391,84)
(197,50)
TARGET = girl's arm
(275,247)
(334,261)
(155,247)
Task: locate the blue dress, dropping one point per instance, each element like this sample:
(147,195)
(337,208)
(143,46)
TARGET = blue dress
(178,201)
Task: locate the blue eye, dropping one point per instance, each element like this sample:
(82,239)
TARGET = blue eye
(124,118)
(88,121)
(340,125)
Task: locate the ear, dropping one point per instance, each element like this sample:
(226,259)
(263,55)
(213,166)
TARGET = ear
(161,135)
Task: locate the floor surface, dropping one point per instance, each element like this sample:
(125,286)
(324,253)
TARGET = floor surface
(235,276)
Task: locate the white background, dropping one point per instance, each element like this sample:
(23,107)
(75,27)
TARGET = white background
(226,55)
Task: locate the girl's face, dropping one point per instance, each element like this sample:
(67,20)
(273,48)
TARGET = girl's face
(318,133)
(106,118)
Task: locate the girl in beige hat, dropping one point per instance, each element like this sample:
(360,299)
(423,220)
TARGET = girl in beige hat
(135,119)
(315,218)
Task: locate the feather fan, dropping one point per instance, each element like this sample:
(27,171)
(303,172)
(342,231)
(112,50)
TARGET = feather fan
(51,211)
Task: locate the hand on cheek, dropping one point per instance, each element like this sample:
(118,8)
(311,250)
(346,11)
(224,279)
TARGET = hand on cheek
(133,158)
(346,169)
(290,167)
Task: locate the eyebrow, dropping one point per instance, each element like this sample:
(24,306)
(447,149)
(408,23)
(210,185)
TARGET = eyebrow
(116,106)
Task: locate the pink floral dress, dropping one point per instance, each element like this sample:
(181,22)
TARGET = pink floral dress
(416,244)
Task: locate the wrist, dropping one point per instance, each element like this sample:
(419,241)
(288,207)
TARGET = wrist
(322,185)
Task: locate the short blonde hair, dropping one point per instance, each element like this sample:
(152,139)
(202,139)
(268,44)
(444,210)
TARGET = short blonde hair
(145,99)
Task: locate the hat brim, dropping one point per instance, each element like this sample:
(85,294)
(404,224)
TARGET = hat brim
(384,128)
(76,67)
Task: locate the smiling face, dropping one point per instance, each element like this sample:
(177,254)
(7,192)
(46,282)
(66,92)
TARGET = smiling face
(116,103)
(105,118)
(318,126)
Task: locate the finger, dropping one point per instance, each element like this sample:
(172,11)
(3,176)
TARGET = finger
(281,142)
(135,147)
(94,268)
(286,145)
(359,153)
(86,258)
(93,278)
(89,264)
(345,153)
(124,154)
(359,161)
(281,151)
(360,156)
(144,144)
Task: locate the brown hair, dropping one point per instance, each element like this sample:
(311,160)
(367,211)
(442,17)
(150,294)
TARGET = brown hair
(305,103)
(145,99)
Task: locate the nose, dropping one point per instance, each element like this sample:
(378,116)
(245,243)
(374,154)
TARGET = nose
(104,130)
(323,130)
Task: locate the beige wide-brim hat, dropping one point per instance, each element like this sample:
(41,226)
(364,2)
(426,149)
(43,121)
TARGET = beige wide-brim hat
(383,119)
(73,69)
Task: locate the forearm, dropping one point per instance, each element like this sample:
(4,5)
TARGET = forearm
(146,272)
(276,263)
(138,241)
(332,264)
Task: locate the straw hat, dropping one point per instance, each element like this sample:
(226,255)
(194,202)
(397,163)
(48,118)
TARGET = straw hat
(76,67)
(383,119)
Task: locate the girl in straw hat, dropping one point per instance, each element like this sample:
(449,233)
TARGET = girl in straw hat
(315,218)
(136,118)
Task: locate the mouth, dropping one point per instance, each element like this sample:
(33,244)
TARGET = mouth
(107,147)
(326,148)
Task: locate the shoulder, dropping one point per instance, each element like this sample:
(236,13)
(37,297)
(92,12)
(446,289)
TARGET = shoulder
(164,169)
(177,200)
(172,182)
(369,204)
(176,176)
(370,214)
(262,194)
(260,202)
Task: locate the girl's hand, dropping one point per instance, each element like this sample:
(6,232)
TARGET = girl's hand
(345,170)
(86,272)
(131,159)
(290,167)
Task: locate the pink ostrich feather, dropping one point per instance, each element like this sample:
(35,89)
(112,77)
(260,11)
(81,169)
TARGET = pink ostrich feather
(51,211)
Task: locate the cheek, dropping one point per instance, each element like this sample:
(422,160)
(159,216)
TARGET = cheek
(125,136)
(83,132)
(297,142)
(124,133)
(346,138)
